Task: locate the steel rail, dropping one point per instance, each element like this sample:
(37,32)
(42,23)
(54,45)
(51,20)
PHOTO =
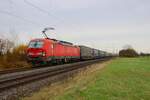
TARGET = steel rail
(8,71)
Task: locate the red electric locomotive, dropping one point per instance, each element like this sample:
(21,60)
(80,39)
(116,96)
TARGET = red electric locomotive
(42,51)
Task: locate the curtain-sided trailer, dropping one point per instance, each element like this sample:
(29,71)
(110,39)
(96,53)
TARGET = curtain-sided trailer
(87,53)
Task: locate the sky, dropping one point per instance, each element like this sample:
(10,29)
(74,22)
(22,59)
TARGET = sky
(103,24)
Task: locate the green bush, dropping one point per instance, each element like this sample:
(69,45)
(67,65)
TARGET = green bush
(128,53)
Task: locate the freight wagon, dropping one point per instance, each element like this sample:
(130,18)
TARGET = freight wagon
(86,53)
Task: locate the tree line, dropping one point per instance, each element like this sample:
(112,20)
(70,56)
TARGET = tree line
(130,52)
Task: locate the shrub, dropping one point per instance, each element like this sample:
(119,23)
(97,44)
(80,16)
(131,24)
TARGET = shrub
(128,53)
(20,52)
(144,54)
(14,58)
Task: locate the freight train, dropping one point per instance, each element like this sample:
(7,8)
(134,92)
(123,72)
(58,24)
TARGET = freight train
(48,51)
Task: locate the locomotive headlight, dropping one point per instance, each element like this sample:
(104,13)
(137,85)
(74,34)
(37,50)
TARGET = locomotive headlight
(43,54)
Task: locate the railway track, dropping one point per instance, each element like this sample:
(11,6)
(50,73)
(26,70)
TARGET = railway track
(14,70)
(24,77)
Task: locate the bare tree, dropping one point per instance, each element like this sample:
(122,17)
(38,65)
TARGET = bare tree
(1,46)
(13,36)
(5,46)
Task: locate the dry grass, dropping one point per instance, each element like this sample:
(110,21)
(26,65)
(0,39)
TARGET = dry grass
(81,80)
(14,59)
(12,65)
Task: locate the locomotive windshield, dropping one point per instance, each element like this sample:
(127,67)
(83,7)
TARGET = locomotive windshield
(36,44)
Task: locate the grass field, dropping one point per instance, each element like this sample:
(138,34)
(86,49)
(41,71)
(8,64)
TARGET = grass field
(122,79)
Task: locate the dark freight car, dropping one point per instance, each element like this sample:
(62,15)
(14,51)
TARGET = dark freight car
(101,54)
(86,53)
(95,53)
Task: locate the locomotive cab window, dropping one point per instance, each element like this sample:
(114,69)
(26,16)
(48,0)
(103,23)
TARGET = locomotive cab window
(36,44)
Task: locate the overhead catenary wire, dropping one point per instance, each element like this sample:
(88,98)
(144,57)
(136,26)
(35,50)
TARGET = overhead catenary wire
(40,9)
(59,20)
(19,17)
(27,2)
(45,11)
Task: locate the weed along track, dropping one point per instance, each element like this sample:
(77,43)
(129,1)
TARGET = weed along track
(23,83)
